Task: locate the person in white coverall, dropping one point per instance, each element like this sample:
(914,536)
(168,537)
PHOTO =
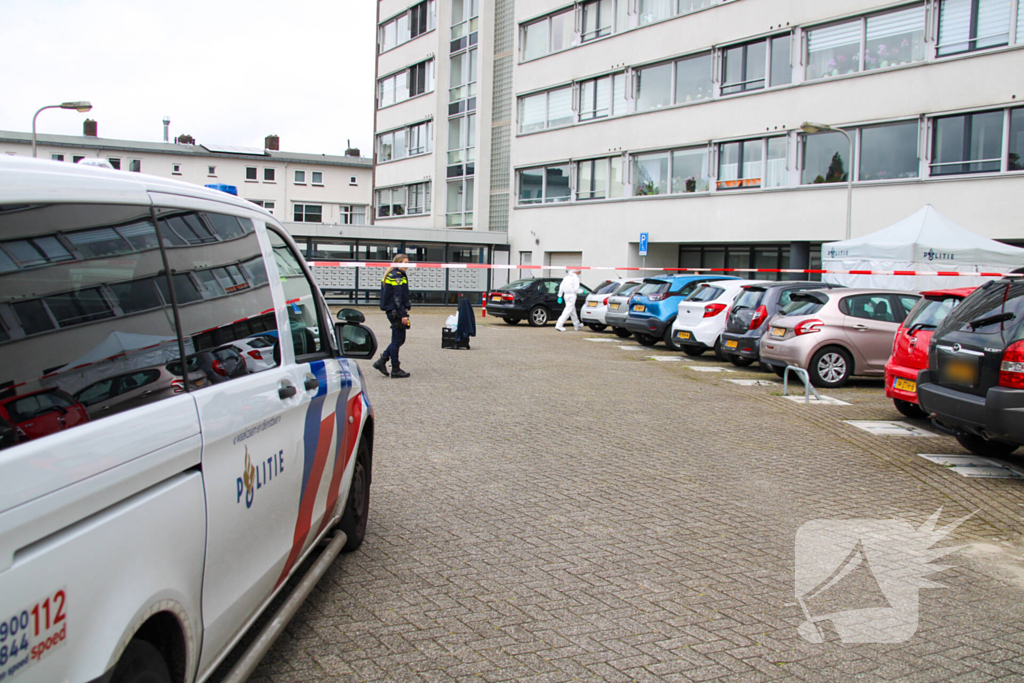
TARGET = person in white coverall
(567,292)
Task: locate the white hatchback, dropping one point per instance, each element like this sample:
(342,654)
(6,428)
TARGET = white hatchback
(702,315)
(596,305)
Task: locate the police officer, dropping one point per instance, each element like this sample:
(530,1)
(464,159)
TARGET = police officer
(394,300)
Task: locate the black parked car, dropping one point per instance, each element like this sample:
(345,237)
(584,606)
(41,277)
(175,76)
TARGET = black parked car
(974,385)
(756,306)
(532,299)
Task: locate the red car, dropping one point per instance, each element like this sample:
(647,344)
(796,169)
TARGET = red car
(43,412)
(910,348)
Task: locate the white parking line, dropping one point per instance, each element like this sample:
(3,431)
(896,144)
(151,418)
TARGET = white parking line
(888,428)
(600,340)
(974,466)
(705,368)
(632,348)
(814,400)
(668,359)
(754,382)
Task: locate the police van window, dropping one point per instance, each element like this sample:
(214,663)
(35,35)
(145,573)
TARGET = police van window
(299,299)
(224,299)
(88,331)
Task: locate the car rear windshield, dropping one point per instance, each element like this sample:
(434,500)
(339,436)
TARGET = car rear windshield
(627,289)
(991,309)
(804,303)
(34,405)
(705,294)
(607,287)
(653,287)
(175,367)
(929,312)
(519,284)
(750,298)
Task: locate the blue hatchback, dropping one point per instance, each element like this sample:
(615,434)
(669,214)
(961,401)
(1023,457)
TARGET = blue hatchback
(653,309)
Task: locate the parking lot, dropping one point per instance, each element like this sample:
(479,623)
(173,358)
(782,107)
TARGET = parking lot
(550,507)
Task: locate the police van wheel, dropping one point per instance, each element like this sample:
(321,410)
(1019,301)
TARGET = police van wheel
(357,507)
(141,663)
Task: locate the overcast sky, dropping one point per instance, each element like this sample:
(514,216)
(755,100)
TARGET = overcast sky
(224,71)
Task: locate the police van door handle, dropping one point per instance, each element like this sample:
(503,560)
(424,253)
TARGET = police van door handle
(311,383)
(286,391)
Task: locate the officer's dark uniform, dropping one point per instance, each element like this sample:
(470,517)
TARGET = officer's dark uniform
(394,300)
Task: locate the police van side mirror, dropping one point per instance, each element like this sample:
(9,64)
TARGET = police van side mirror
(351,315)
(357,341)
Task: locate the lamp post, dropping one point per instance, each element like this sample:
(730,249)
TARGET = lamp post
(79,106)
(811,129)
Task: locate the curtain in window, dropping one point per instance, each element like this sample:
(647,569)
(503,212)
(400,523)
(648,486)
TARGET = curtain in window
(776,174)
(895,38)
(650,174)
(993,23)
(1020,23)
(655,10)
(531,112)
(833,50)
(560,107)
(595,98)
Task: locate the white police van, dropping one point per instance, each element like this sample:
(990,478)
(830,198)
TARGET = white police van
(152,502)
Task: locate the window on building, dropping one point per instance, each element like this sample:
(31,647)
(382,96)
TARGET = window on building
(547,184)
(826,159)
(251,173)
(269,175)
(654,87)
(693,78)
(461,145)
(462,77)
(74,159)
(211,171)
(544,110)
(459,204)
(599,178)
(690,170)
(404,142)
(268,205)
(318,178)
(598,16)
(353,214)
(757,65)
(465,22)
(176,169)
(969,143)
(410,82)
(650,174)
(740,164)
(57,157)
(353,181)
(966,25)
(410,24)
(651,11)
(873,42)
(35,251)
(1016,158)
(115,162)
(300,177)
(602,97)
(135,165)
(308,213)
(888,151)
(391,202)
(419,199)
(420,139)
(551,34)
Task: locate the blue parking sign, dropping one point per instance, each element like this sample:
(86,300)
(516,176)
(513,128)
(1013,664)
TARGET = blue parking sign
(643,244)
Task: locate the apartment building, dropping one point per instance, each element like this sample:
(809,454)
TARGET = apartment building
(682,119)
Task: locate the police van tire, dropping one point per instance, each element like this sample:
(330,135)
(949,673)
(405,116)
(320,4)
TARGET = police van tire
(357,507)
(141,662)
(538,316)
(511,321)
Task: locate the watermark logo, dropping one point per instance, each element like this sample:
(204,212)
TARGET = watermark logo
(864,575)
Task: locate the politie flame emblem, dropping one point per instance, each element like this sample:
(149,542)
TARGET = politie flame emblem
(256,476)
(248,479)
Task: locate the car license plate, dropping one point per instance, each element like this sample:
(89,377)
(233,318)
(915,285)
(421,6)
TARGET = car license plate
(614,307)
(592,304)
(905,385)
(957,371)
(496,297)
(731,344)
(778,331)
(682,335)
(639,308)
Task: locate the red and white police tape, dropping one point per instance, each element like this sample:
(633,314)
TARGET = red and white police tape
(813,271)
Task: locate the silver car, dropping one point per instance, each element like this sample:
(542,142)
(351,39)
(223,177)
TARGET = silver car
(596,305)
(618,307)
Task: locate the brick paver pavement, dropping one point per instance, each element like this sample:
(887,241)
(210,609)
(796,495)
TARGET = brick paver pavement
(546,508)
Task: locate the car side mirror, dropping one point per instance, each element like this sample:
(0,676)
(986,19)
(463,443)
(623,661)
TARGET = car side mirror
(351,315)
(357,341)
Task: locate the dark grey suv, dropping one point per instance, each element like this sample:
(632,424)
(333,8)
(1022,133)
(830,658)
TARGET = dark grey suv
(754,307)
(974,385)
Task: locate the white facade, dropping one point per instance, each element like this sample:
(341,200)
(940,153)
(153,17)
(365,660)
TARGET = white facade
(687,85)
(310,193)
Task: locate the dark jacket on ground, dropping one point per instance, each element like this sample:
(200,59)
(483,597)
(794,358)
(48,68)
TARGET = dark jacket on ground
(467,322)
(394,293)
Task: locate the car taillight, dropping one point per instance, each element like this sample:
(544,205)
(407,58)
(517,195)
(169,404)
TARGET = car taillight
(711,310)
(177,386)
(508,296)
(218,367)
(655,297)
(808,327)
(256,354)
(1011,369)
(760,315)
(605,302)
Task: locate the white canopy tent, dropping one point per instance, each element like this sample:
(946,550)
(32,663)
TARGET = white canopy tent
(925,241)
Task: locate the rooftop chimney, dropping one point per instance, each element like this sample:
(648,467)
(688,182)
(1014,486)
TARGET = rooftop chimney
(185,139)
(89,128)
(351,151)
(272,142)
(167,128)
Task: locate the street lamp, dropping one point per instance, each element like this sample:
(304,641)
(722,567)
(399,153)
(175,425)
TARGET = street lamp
(811,129)
(78,106)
